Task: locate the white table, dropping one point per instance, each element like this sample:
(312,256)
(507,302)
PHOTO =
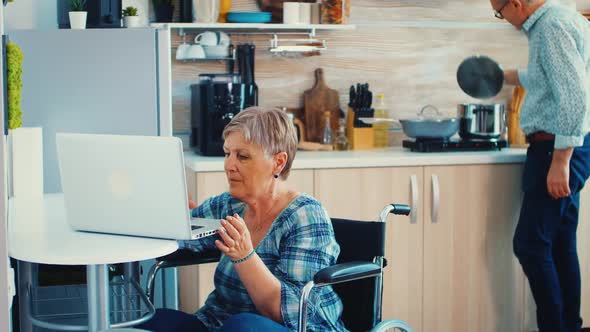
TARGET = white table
(39,233)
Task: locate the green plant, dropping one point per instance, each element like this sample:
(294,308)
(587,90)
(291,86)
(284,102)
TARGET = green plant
(14,83)
(77,5)
(130,11)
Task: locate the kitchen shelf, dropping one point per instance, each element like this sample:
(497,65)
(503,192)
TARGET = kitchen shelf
(255,27)
(206,59)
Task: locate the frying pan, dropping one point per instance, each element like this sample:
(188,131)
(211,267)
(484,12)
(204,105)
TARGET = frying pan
(480,77)
(424,126)
(430,126)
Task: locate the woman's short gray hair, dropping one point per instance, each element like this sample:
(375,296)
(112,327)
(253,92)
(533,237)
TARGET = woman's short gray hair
(270,128)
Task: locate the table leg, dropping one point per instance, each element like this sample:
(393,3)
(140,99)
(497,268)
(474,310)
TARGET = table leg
(26,278)
(132,303)
(98,297)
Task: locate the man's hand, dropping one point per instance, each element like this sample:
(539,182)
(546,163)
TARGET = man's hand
(559,174)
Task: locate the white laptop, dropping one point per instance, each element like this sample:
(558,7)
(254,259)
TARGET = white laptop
(130,185)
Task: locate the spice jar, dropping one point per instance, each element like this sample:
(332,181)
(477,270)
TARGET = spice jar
(335,11)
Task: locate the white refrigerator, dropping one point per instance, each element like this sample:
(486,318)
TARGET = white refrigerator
(5,270)
(104,81)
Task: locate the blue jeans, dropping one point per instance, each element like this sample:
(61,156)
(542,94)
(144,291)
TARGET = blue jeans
(545,238)
(251,323)
(168,320)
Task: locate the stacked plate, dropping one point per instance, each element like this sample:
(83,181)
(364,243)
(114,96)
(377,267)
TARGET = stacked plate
(249,17)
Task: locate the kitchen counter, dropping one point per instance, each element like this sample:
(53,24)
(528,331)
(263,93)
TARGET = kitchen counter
(372,158)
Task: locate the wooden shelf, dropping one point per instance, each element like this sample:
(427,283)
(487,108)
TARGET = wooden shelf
(260,27)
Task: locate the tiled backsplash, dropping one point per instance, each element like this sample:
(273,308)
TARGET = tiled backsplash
(407,49)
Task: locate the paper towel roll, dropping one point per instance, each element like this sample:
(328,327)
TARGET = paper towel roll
(26,149)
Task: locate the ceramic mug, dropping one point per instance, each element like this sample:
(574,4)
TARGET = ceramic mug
(195,52)
(212,38)
(182,51)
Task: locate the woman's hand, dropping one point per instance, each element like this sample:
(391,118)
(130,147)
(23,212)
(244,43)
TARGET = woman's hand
(236,243)
(191,203)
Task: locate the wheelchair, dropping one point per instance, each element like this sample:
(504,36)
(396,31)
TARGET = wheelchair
(357,276)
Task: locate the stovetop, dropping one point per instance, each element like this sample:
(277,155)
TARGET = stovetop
(439,145)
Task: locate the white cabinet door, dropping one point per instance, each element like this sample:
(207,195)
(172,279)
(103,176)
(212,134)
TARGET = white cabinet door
(361,194)
(472,281)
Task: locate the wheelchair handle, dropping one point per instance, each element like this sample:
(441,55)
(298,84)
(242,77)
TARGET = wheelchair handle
(398,209)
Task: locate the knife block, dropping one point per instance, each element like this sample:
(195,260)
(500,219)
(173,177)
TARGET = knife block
(358,138)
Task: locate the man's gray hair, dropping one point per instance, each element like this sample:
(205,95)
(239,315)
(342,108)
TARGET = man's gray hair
(270,128)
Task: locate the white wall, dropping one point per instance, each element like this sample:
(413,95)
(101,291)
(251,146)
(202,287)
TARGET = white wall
(42,14)
(31,14)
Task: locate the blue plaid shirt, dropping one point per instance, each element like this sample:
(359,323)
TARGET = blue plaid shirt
(299,243)
(557,78)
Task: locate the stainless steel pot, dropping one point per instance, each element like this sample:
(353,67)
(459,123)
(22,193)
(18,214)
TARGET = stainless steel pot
(481,121)
(433,126)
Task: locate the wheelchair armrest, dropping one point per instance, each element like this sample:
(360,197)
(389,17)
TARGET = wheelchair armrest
(183,257)
(346,272)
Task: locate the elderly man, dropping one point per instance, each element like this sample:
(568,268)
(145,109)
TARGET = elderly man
(555,117)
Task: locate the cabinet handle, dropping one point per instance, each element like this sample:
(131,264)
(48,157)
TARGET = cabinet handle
(415,202)
(435,198)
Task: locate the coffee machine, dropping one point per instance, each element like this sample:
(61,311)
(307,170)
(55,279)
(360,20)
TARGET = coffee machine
(217,98)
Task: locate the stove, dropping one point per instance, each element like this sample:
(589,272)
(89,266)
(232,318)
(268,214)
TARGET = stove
(449,145)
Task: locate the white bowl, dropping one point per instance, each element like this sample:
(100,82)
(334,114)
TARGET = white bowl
(218,51)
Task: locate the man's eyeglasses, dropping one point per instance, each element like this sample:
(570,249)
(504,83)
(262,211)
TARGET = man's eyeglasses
(498,13)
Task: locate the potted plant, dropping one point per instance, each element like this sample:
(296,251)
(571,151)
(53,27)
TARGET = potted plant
(14,84)
(164,10)
(77,14)
(130,17)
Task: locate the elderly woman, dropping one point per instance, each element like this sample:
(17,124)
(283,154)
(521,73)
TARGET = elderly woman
(273,239)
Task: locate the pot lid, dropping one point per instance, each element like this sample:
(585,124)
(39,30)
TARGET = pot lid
(429,113)
(480,77)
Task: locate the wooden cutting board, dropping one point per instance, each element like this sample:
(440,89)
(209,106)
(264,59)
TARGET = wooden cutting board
(276,7)
(316,101)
